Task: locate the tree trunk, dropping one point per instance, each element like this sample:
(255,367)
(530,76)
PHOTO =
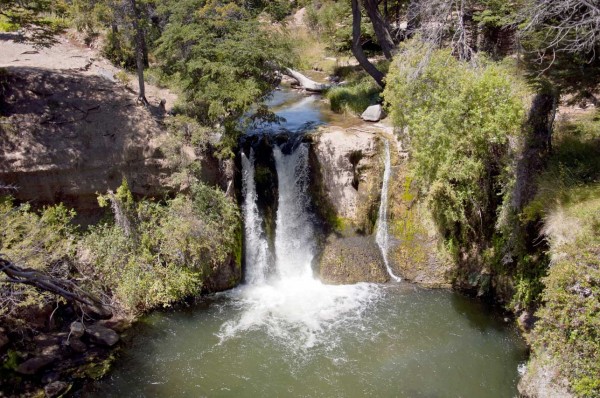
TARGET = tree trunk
(381,27)
(305,82)
(357,46)
(412,18)
(139,51)
(538,145)
(62,287)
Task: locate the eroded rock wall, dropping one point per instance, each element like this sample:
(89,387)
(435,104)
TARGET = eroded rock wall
(347,170)
(66,137)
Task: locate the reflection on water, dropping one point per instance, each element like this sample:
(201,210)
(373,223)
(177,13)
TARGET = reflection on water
(301,112)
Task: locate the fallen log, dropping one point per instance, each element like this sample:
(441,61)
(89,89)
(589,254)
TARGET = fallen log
(305,82)
(62,287)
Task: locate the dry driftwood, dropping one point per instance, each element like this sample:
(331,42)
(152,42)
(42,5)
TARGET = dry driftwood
(306,83)
(62,287)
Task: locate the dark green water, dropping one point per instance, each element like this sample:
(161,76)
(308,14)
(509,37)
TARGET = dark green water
(402,342)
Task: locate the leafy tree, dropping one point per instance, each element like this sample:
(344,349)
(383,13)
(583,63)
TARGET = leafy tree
(460,118)
(225,60)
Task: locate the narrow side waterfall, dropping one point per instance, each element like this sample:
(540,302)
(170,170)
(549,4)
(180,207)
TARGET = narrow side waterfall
(255,242)
(294,239)
(288,302)
(382,235)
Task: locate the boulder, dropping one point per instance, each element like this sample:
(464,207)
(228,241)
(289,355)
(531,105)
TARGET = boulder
(101,335)
(374,113)
(34,365)
(352,260)
(77,345)
(56,389)
(47,340)
(77,329)
(116,323)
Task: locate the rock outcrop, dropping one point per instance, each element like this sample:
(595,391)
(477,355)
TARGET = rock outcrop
(65,137)
(348,169)
(351,260)
(374,113)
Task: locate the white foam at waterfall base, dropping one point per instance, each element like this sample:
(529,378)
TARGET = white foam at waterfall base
(299,312)
(292,306)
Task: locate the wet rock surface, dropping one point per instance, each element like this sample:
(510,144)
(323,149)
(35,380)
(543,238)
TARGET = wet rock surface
(348,260)
(102,335)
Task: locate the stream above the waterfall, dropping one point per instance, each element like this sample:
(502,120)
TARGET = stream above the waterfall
(284,333)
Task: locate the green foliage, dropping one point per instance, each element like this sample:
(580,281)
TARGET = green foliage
(498,13)
(332,22)
(224,58)
(186,142)
(44,241)
(459,118)
(354,97)
(36,239)
(569,325)
(177,245)
(568,202)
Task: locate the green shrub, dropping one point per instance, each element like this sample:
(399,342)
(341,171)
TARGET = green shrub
(354,97)
(569,321)
(172,248)
(44,241)
(459,118)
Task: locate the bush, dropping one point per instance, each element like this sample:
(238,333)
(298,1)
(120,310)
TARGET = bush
(169,251)
(568,201)
(44,241)
(354,97)
(459,118)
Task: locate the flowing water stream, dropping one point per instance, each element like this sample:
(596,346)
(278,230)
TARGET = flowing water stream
(284,333)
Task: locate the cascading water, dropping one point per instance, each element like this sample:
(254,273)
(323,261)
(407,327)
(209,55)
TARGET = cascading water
(256,246)
(291,305)
(382,236)
(294,239)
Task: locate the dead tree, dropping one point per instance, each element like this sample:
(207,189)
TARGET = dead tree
(59,286)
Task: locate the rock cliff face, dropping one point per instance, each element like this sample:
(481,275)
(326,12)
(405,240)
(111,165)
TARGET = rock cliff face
(65,137)
(348,170)
(347,176)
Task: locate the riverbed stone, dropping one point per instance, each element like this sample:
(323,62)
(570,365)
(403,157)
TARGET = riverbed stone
(77,329)
(374,113)
(55,389)
(350,260)
(101,335)
(34,365)
(77,345)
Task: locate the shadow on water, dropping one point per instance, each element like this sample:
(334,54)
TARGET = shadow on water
(480,314)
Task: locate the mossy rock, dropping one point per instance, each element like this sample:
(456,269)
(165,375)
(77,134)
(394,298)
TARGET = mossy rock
(351,260)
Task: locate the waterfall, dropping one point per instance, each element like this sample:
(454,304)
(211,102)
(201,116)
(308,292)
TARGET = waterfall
(255,242)
(294,239)
(289,303)
(382,236)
